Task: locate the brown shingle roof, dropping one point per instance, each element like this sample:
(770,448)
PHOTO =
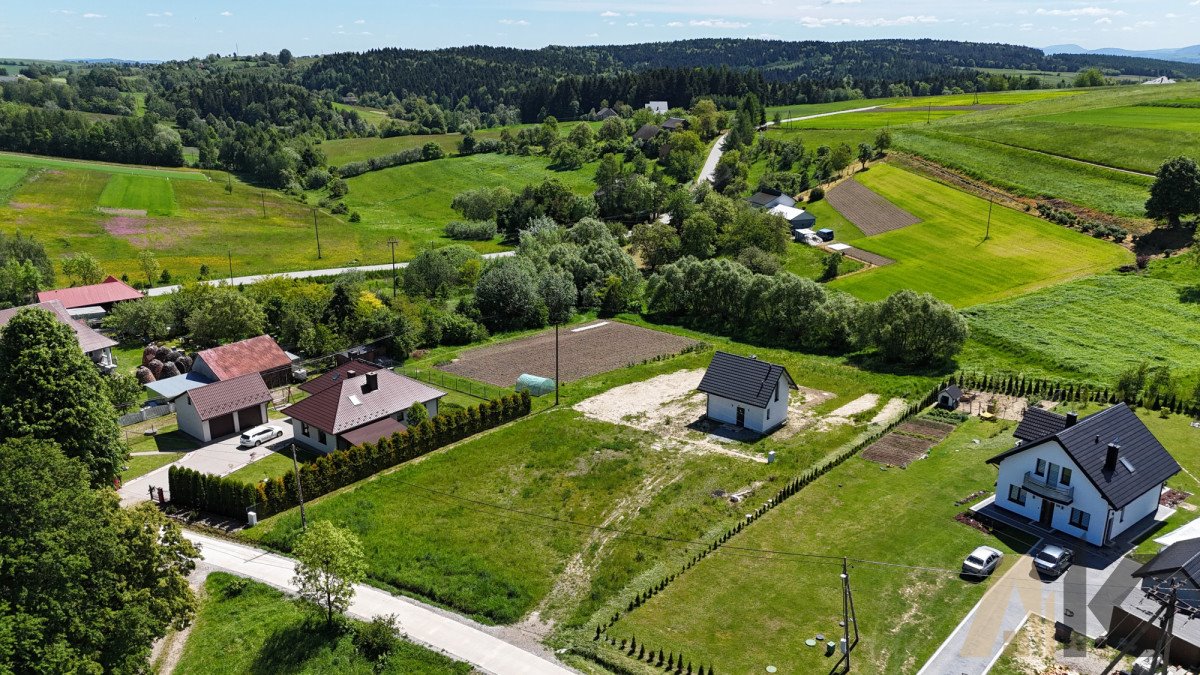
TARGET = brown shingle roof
(332,410)
(226,396)
(371,433)
(255,355)
(332,377)
(89,340)
(107,292)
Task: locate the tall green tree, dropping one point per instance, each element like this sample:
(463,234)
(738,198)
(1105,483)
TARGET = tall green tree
(82,269)
(49,390)
(1175,191)
(86,586)
(915,328)
(149,264)
(19,283)
(142,320)
(329,561)
(225,315)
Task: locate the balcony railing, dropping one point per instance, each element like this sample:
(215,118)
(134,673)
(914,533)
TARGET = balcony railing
(1063,494)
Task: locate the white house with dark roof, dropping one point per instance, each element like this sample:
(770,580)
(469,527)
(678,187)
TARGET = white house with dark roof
(97,347)
(223,408)
(746,392)
(1090,478)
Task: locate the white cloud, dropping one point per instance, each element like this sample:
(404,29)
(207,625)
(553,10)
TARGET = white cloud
(842,2)
(360,21)
(1080,11)
(93,15)
(1103,21)
(717,23)
(67,11)
(675,24)
(609,14)
(514,22)
(227,13)
(168,14)
(907,20)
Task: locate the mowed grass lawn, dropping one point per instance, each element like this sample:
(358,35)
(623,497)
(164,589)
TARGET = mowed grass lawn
(150,194)
(140,465)
(412,202)
(1133,117)
(1092,328)
(874,119)
(742,611)
(40,162)
(946,253)
(247,627)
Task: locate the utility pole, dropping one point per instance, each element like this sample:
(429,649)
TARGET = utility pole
(299,490)
(987,234)
(229,254)
(849,618)
(392,241)
(556,365)
(263,195)
(1164,640)
(317,230)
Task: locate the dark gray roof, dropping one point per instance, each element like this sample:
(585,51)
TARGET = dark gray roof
(1087,444)
(647,132)
(953,392)
(805,217)
(1039,423)
(764,197)
(1182,556)
(743,379)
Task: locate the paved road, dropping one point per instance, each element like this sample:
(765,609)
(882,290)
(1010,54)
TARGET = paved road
(304,274)
(221,458)
(813,117)
(710,164)
(422,624)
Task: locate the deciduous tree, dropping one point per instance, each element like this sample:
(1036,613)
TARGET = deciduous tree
(1175,191)
(82,269)
(329,561)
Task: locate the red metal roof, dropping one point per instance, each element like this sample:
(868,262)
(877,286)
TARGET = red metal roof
(222,398)
(338,409)
(107,292)
(256,355)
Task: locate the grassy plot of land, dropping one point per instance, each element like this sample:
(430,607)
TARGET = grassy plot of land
(342,150)
(10,177)
(947,255)
(742,611)
(140,465)
(275,463)
(412,202)
(40,162)
(248,627)
(874,119)
(1132,117)
(1095,328)
(150,195)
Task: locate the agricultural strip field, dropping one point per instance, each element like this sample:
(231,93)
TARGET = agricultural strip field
(1132,117)
(145,194)
(12,159)
(412,202)
(908,443)
(742,611)
(247,627)
(10,177)
(878,119)
(870,212)
(1094,328)
(584,351)
(946,253)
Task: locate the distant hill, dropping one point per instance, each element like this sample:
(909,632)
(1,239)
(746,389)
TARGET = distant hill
(1182,54)
(113,62)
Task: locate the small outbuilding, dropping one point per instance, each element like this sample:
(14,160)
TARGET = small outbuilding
(746,392)
(797,218)
(658,107)
(535,385)
(949,397)
(222,408)
(676,124)
(646,133)
(606,113)
(770,198)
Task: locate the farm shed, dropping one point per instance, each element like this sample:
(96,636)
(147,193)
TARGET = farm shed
(949,397)
(536,386)
(223,408)
(646,133)
(747,392)
(104,294)
(769,198)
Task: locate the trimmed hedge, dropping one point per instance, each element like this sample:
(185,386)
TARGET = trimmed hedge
(1066,391)
(342,467)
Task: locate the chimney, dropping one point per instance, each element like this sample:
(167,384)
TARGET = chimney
(371,384)
(1110,460)
(350,374)
(1072,418)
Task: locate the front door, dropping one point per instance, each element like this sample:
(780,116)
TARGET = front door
(741,416)
(1047,513)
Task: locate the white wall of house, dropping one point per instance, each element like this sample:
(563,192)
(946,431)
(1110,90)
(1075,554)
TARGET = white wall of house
(756,419)
(189,420)
(313,438)
(1135,511)
(1086,497)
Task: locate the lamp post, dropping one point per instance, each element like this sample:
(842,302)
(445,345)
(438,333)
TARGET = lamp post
(392,241)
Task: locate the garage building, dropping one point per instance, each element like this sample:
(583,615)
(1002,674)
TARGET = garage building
(223,408)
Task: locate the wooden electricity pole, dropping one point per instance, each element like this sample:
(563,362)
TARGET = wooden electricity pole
(299,489)
(987,234)
(849,618)
(392,241)
(317,230)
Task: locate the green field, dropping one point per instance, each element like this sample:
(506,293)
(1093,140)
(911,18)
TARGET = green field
(13,159)
(10,177)
(742,611)
(412,202)
(1092,328)
(946,253)
(140,465)
(342,150)
(1132,117)
(148,194)
(875,120)
(274,464)
(248,627)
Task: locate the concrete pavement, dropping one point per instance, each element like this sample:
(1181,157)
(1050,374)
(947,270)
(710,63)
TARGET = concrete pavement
(828,114)
(710,164)
(221,457)
(422,624)
(303,274)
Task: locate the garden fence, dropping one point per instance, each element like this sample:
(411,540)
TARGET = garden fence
(144,414)
(443,380)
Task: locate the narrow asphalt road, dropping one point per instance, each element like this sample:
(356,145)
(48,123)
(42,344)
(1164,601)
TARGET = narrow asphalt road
(303,274)
(422,624)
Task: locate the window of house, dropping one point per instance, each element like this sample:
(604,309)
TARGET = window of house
(304,429)
(768,413)
(320,437)
(1041,467)
(1065,477)
(1080,519)
(777,388)
(1016,494)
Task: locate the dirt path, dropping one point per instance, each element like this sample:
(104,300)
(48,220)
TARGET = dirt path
(165,654)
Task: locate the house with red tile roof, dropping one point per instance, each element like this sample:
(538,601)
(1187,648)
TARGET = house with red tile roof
(223,408)
(359,408)
(97,347)
(261,355)
(104,294)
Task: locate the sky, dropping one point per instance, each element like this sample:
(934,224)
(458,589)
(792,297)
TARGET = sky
(161,29)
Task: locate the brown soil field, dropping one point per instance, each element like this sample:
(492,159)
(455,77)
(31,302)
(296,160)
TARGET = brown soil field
(583,351)
(869,211)
(898,450)
(929,428)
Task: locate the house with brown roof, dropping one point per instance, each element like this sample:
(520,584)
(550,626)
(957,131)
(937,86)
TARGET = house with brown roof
(223,408)
(103,295)
(97,347)
(358,408)
(334,376)
(260,355)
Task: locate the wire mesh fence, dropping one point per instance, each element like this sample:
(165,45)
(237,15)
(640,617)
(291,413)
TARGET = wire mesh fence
(457,383)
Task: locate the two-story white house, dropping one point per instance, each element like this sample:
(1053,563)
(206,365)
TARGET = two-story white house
(1090,478)
(746,392)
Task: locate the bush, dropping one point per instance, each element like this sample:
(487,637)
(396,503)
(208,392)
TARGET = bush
(355,217)
(475,230)
(340,208)
(377,639)
(816,194)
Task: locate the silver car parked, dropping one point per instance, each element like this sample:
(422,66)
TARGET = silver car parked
(981,562)
(1053,560)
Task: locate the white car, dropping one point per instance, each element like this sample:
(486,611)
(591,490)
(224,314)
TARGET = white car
(259,435)
(982,562)
(1053,560)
